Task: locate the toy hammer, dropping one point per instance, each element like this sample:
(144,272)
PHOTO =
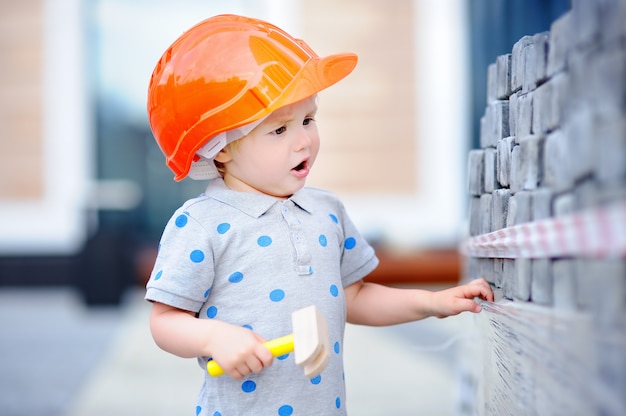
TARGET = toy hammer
(309,342)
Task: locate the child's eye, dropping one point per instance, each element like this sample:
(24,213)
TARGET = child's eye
(308,121)
(280,130)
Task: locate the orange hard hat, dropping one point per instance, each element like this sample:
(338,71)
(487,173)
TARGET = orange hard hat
(226,72)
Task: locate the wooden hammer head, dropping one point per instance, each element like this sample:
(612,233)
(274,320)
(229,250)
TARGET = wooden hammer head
(311,341)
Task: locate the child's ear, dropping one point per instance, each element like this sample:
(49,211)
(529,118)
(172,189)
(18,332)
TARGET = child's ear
(224,155)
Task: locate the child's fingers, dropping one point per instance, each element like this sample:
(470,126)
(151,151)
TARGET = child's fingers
(255,365)
(469,305)
(480,288)
(262,353)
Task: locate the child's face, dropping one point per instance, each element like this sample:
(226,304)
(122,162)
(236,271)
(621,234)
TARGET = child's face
(277,156)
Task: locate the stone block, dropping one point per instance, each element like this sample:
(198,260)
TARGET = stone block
(518,65)
(486,270)
(609,292)
(515,179)
(605,89)
(500,201)
(491,183)
(524,121)
(612,18)
(502,120)
(535,61)
(498,271)
(509,274)
(608,310)
(503,161)
(495,125)
(564,204)
(523,275)
(610,151)
(541,288)
(541,108)
(578,72)
(503,77)
(476,172)
(564,279)
(531,161)
(557,163)
(581,141)
(520,208)
(587,194)
(513,114)
(548,102)
(511,213)
(509,280)
(586,21)
(585,283)
(610,367)
(559,44)
(474,216)
(608,194)
(485,213)
(542,204)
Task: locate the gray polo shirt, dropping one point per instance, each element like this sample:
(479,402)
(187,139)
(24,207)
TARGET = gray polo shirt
(251,260)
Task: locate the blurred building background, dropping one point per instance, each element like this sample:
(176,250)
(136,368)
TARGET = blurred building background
(84,192)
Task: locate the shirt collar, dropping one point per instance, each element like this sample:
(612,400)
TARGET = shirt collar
(254,204)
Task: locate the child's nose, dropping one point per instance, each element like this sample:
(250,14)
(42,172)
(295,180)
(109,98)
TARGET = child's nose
(303,139)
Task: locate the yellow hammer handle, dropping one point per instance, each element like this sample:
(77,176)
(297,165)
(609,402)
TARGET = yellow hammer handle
(279,346)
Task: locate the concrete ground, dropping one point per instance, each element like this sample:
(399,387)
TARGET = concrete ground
(61,358)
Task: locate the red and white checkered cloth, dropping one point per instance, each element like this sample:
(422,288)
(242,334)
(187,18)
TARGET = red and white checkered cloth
(595,233)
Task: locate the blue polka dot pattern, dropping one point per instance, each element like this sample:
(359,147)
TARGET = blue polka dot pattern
(217,413)
(264,241)
(158,275)
(181,221)
(337,347)
(236,277)
(282,357)
(197,256)
(211,312)
(334,218)
(207,293)
(350,243)
(316,380)
(277,295)
(223,228)
(198,410)
(248,386)
(334,290)
(285,410)
(338,403)
(248,326)
(323,240)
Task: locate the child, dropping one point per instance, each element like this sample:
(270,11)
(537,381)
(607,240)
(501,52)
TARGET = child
(234,100)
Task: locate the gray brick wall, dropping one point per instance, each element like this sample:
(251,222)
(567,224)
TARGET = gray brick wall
(553,142)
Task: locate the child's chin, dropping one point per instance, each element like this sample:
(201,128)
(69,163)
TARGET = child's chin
(286,192)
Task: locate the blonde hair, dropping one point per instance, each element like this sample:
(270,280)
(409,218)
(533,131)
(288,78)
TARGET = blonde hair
(233,146)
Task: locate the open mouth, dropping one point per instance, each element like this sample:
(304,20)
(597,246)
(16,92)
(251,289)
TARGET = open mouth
(301,166)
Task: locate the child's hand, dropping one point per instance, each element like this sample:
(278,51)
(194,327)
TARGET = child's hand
(459,299)
(240,351)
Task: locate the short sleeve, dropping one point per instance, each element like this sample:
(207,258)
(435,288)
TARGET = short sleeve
(183,272)
(358,257)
